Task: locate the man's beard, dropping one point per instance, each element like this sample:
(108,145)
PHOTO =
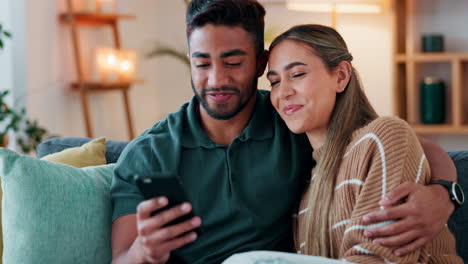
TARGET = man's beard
(220,114)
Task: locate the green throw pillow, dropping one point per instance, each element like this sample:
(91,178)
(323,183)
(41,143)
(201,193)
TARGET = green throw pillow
(54,213)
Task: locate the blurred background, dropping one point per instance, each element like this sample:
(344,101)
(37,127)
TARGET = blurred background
(38,60)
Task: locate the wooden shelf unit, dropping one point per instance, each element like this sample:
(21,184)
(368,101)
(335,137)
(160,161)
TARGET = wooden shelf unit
(93,19)
(407,63)
(104,86)
(84,86)
(440,129)
(432,57)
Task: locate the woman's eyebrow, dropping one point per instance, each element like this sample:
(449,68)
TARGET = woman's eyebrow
(294,64)
(287,67)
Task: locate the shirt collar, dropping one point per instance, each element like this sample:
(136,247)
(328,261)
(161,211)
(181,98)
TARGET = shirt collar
(260,126)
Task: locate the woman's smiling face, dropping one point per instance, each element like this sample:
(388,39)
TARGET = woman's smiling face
(303,90)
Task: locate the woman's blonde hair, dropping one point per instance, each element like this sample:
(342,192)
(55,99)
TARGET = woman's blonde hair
(352,111)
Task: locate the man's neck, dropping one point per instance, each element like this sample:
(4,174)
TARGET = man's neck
(224,131)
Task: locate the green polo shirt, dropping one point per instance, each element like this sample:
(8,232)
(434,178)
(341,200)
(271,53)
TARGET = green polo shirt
(244,193)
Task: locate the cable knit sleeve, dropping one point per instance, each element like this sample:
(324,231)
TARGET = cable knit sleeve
(389,154)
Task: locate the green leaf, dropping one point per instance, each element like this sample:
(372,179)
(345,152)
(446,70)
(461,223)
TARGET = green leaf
(7,33)
(163,50)
(1,44)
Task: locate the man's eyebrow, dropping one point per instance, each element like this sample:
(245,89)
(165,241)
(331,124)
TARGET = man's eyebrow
(198,54)
(235,52)
(287,67)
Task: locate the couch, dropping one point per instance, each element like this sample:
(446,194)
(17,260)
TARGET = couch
(458,222)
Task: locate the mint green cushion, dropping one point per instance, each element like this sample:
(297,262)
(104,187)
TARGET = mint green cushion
(54,213)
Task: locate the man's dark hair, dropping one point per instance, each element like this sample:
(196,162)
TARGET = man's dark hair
(249,14)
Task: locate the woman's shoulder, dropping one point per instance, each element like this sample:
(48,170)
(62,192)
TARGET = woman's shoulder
(385,126)
(384,132)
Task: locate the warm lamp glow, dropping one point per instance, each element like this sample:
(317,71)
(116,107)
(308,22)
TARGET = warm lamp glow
(359,8)
(309,7)
(127,65)
(116,65)
(111,60)
(340,6)
(107,63)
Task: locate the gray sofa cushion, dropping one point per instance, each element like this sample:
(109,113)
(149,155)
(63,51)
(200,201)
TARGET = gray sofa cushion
(113,148)
(459,221)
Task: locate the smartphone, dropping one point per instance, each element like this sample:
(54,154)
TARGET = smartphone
(165,185)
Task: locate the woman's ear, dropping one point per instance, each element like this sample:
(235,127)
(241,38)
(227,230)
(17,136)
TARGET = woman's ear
(343,72)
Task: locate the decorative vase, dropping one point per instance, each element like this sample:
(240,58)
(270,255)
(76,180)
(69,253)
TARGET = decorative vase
(433,43)
(432,101)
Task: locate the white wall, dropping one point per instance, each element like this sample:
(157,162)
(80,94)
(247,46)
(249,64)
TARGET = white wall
(13,56)
(6,63)
(51,69)
(166,87)
(167,81)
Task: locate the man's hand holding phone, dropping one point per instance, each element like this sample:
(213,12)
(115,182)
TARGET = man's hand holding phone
(164,225)
(155,238)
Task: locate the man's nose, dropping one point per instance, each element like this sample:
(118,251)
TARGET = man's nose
(218,77)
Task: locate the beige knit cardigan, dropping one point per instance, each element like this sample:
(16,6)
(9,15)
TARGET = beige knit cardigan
(381,155)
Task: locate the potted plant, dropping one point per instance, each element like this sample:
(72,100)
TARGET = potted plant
(9,119)
(29,133)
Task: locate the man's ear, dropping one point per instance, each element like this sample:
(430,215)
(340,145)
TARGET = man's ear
(343,72)
(261,63)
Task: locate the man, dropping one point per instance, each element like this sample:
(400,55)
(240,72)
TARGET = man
(243,171)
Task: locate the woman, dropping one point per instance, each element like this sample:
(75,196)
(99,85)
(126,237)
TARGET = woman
(360,156)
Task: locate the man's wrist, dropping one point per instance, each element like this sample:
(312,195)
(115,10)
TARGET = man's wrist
(443,194)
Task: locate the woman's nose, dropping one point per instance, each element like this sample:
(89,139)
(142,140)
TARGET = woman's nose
(285,91)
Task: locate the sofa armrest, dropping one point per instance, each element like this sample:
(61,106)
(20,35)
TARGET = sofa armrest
(458,222)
